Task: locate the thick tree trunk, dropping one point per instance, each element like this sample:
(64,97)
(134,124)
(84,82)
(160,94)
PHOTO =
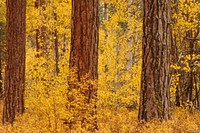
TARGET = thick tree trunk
(84,42)
(154,96)
(14,83)
(84,39)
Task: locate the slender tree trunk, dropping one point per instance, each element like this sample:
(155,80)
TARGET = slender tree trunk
(37,3)
(64,49)
(130,43)
(197,92)
(84,42)
(56,46)
(106,18)
(191,78)
(154,95)
(1,78)
(2,47)
(56,52)
(14,83)
(40,31)
(175,58)
(191,74)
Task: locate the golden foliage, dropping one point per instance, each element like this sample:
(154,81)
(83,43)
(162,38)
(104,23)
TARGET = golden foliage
(111,120)
(52,107)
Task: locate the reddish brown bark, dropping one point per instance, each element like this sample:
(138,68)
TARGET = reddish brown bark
(154,96)
(14,82)
(84,39)
(84,48)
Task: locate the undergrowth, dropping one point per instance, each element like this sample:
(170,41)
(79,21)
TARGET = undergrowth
(48,109)
(110,120)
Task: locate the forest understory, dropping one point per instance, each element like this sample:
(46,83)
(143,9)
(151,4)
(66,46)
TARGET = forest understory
(110,120)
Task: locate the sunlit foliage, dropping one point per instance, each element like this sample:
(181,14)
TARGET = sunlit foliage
(48,99)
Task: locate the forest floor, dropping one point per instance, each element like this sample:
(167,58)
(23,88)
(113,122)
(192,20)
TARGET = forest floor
(118,121)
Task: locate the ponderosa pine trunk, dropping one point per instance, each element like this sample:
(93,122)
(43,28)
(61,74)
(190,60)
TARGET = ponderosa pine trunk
(14,82)
(154,95)
(84,42)
(85,38)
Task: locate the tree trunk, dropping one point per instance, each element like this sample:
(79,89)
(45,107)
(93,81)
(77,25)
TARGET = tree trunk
(1,78)
(56,52)
(106,18)
(84,42)
(175,58)
(40,36)
(56,48)
(2,53)
(154,95)
(37,4)
(14,83)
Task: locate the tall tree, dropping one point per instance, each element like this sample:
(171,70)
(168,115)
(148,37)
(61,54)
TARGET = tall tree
(14,82)
(56,46)
(84,41)
(2,52)
(2,40)
(40,30)
(154,95)
(1,77)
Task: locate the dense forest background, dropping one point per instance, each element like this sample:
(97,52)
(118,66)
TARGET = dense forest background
(56,99)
